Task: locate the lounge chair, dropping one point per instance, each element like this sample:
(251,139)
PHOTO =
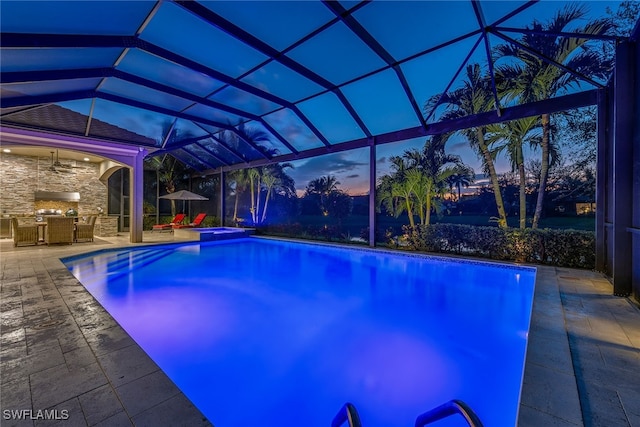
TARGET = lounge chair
(196,222)
(177,220)
(85,231)
(24,233)
(59,230)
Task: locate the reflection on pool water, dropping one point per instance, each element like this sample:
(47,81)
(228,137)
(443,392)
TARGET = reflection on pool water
(265,332)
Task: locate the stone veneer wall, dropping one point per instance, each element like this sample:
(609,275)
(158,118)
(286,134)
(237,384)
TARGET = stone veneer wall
(22,176)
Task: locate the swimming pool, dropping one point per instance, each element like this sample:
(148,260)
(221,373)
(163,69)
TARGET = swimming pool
(265,332)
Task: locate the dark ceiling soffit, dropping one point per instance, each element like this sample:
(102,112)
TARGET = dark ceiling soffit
(379,50)
(547,59)
(554,105)
(262,47)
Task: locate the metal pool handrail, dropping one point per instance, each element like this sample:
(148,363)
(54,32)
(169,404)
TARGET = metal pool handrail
(347,413)
(452,407)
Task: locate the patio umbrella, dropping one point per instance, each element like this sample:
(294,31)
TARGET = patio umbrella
(183,195)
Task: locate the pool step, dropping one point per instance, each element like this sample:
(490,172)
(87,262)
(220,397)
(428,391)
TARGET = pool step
(120,264)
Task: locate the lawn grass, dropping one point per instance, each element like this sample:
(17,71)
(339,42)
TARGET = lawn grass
(355,224)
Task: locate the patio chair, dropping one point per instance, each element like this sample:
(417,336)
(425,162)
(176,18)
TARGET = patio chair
(85,231)
(177,220)
(196,222)
(24,233)
(59,230)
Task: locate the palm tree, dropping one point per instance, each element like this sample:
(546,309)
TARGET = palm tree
(169,171)
(323,186)
(474,97)
(435,166)
(240,179)
(404,191)
(254,185)
(533,79)
(463,176)
(418,180)
(511,137)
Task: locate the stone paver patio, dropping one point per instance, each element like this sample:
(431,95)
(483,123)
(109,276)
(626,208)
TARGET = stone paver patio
(60,350)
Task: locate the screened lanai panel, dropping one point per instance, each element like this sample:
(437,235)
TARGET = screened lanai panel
(186,129)
(382,103)
(394,23)
(243,100)
(281,81)
(41,59)
(300,18)
(240,146)
(293,129)
(474,73)
(74,17)
(80,106)
(180,32)
(495,10)
(544,11)
(214,114)
(154,68)
(142,122)
(337,54)
(221,152)
(428,75)
(47,87)
(204,158)
(144,94)
(331,118)
(256,130)
(190,160)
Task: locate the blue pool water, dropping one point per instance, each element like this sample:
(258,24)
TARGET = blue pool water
(259,332)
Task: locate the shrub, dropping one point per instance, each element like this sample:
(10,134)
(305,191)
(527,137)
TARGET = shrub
(562,248)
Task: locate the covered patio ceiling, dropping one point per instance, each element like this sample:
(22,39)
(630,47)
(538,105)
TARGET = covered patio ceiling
(222,85)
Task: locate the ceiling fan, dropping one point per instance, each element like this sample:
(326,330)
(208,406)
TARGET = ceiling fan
(57,167)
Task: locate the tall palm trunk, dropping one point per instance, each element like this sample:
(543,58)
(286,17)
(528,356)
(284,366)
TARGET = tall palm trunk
(484,149)
(544,170)
(427,219)
(411,223)
(266,203)
(235,205)
(523,184)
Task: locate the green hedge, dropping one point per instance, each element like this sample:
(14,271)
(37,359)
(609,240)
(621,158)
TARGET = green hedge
(562,248)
